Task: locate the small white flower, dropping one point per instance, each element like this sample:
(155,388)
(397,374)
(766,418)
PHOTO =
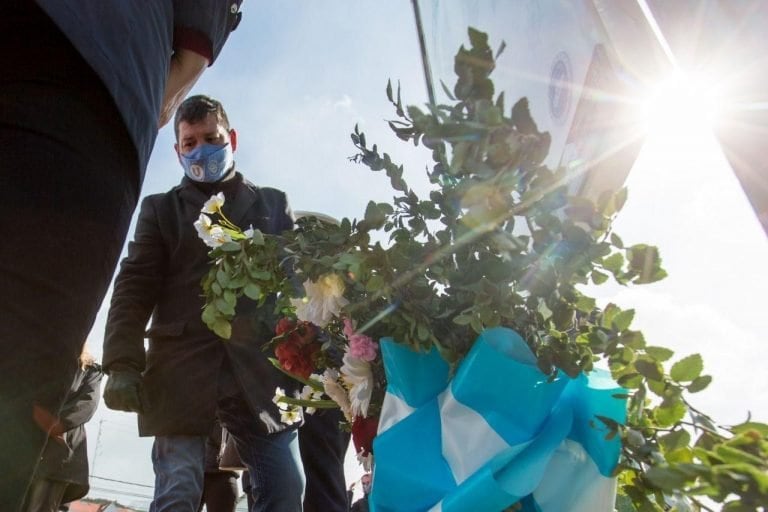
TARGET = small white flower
(324,300)
(291,416)
(214,204)
(279,393)
(358,377)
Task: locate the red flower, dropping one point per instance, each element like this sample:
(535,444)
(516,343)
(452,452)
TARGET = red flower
(284,325)
(363,432)
(298,349)
(306,332)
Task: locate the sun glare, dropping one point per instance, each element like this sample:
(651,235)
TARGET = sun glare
(681,104)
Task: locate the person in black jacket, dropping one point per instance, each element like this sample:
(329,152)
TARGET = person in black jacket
(62,474)
(189,377)
(361,505)
(84,88)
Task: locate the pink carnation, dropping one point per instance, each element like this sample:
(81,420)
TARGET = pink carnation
(360,345)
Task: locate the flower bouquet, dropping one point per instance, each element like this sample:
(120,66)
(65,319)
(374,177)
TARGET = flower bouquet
(452,328)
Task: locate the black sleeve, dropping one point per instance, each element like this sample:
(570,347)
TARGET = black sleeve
(204,25)
(136,290)
(80,405)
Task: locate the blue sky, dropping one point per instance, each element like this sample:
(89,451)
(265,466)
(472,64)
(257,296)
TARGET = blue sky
(297,76)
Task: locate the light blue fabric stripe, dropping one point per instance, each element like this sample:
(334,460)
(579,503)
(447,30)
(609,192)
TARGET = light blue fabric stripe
(593,395)
(504,481)
(500,380)
(409,465)
(416,377)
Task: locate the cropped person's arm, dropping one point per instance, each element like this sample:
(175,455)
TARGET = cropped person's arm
(201,27)
(186,67)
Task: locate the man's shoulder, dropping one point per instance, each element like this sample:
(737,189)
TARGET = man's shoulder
(265,191)
(163,196)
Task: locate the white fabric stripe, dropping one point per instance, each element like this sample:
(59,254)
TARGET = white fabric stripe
(573,482)
(468,441)
(393,410)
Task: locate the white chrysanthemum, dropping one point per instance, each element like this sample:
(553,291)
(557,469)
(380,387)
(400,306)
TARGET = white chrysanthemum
(336,392)
(214,204)
(324,300)
(358,377)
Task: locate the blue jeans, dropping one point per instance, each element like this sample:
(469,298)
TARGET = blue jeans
(272,460)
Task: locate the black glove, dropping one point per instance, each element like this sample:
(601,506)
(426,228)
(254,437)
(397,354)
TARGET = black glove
(123,391)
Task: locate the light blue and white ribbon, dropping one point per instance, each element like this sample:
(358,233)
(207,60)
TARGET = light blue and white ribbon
(498,433)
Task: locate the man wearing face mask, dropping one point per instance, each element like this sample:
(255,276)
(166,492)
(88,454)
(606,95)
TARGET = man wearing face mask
(188,377)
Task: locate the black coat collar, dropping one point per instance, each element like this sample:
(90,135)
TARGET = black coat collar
(240,195)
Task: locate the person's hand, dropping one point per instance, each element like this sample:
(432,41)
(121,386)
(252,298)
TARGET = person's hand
(123,391)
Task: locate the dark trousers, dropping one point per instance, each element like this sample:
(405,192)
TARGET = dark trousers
(69,182)
(323,447)
(220,491)
(45,495)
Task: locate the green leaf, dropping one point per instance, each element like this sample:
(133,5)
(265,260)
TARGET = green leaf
(671,413)
(699,383)
(649,370)
(585,304)
(375,283)
(659,353)
(252,291)
(633,339)
(422,332)
(622,321)
(666,478)
(224,306)
(614,262)
(731,455)
(210,313)
(462,319)
(374,215)
(687,369)
(598,277)
(674,440)
(222,278)
(222,328)
(260,275)
(257,238)
(644,261)
(630,380)
(230,247)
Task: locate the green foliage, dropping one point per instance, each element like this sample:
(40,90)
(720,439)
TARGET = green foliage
(498,240)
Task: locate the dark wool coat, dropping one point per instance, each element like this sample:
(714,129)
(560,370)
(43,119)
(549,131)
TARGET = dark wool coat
(161,277)
(66,459)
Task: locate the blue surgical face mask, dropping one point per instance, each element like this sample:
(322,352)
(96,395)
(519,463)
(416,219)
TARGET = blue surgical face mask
(208,163)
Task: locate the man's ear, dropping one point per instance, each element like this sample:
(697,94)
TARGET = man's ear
(176,148)
(233,139)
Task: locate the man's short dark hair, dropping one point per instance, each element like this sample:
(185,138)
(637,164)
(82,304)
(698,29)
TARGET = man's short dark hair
(196,108)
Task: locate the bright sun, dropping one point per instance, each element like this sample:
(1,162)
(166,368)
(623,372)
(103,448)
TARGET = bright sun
(681,105)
